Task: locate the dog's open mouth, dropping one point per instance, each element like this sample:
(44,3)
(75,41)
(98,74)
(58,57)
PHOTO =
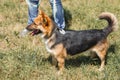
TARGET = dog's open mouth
(35,32)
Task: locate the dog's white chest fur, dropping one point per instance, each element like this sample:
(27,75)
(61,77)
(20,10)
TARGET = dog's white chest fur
(49,43)
(48,47)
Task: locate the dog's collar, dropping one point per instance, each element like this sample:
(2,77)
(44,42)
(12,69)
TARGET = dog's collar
(62,31)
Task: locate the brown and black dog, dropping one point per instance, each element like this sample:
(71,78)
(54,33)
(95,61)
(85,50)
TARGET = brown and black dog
(74,42)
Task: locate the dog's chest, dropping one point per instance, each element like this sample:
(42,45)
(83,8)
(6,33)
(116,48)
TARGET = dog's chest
(49,43)
(48,46)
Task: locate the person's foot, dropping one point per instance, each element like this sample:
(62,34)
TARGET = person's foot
(23,33)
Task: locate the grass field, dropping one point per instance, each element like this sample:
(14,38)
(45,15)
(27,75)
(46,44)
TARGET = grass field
(27,59)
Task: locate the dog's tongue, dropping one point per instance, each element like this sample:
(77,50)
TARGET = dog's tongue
(32,33)
(35,32)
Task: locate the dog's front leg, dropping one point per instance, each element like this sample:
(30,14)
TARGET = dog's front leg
(54,60)
(61,62)
(60,55)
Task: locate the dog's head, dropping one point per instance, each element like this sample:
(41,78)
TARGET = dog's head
(43,23)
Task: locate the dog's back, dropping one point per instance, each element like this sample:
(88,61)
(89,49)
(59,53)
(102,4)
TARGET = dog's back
(79,41)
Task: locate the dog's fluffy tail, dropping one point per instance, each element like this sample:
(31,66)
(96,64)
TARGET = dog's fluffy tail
(112,22)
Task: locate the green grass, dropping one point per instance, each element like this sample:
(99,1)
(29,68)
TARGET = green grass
(27,59)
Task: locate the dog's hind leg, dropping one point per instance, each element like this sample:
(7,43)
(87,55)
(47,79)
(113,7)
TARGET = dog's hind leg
(102,58)
(101,50)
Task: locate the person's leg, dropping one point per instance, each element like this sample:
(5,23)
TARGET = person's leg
(58,13)
(32,10)
(32,13)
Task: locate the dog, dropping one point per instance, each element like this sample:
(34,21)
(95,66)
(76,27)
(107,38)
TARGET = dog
(73,41)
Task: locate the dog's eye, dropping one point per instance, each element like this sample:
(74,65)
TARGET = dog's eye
(40,23)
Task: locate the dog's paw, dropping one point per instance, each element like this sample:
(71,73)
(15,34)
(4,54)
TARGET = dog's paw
(101,69)
(59,73)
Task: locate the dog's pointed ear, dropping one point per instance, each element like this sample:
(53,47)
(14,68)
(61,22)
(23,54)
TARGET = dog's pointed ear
(47,20)
(41,12)
(37,21)
(40,17)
